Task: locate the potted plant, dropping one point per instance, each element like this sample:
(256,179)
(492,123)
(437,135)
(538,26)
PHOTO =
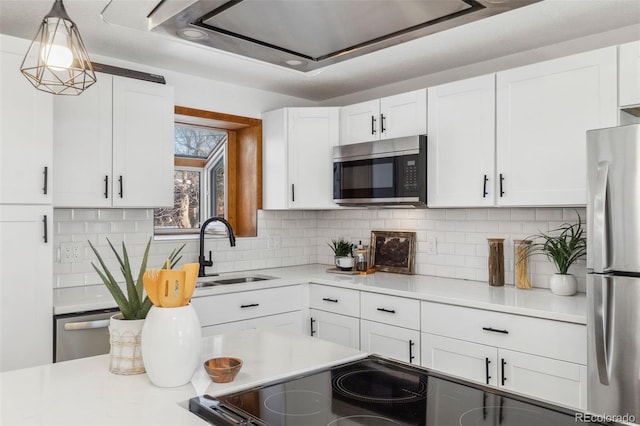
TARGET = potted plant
(342,251)
(125,327)
(563,246)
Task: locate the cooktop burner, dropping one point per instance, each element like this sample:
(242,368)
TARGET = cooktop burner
(377,392)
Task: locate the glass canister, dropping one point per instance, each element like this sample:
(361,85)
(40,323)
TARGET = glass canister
(496,261)
(362,258)
(521,270)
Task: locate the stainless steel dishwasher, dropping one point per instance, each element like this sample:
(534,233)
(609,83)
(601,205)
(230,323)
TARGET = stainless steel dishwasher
(81,334)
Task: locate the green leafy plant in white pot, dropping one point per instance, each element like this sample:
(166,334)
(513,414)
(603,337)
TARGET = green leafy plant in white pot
(563,246)
(343,253)
(125,328)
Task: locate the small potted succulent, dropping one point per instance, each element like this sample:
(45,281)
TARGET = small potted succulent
(563,246)
(125,327)
(343,254)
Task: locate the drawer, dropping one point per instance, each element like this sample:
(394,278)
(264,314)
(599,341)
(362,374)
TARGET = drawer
(392,310)
(333,299)
(553,339)
(222,308)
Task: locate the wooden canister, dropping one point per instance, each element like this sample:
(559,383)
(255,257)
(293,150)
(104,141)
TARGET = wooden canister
(496,261)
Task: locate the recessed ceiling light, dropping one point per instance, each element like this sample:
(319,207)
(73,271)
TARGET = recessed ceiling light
(192,34)
(295,62)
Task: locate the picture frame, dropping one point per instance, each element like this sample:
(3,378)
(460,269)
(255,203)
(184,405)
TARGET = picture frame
(393,251)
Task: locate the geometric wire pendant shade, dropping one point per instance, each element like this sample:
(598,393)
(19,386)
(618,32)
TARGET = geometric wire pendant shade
(57,61)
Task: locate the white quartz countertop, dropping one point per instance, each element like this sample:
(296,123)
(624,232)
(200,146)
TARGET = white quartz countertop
(535,302)
(84,392)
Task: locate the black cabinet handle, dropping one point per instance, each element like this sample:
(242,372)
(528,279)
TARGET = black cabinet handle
(293,192)
(389,311)
(106,186)
(495,330)
(373,125)
(121,186)
(382,128)
(487,361)
(45,186)
(252,305)
(484,187)
(45,235)
(311,325)
(504,379)
(411,357)
(326,299)
(501,180)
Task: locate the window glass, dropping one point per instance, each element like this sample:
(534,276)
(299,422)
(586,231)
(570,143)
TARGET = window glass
(186,212)
(198,142)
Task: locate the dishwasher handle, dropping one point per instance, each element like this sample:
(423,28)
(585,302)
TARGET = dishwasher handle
(86,325)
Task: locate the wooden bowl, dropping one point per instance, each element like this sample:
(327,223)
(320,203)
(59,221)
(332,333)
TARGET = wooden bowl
(223,369)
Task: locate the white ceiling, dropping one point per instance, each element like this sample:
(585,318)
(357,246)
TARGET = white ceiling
(121,33)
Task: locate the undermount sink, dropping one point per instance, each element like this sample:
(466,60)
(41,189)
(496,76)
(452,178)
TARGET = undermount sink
(234,280)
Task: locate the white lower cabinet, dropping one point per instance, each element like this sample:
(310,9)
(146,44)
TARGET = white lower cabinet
(336,328)
(533,356)
(291,321)
(399,343)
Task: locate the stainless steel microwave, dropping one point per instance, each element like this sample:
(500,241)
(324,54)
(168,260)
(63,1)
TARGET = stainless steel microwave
(387,172)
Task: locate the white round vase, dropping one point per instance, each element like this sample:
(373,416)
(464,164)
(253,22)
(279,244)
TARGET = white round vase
(563,284)
(171,345)
(125,356)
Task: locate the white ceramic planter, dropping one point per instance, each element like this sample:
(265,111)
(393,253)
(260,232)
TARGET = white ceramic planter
(171,345)
(125,355)
(344,262)
(563,285)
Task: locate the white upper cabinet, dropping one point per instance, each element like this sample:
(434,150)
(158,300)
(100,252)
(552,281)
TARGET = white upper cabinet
(461,143)
(391,117)
(542,113)
(26,156)
(297,158)
(113,145)
(629,74)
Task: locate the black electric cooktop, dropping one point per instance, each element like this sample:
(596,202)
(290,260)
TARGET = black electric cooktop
(377,392)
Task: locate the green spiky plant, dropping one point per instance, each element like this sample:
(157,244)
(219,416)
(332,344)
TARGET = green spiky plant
(132,305)
(562,249)
(341,248)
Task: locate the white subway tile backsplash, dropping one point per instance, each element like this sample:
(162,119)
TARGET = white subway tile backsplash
(288,238)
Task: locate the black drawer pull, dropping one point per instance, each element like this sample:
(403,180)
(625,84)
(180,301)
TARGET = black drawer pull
(495,330)
(484,187)
(501,181)
(326,299)
(311,326)
(106,186)
(389,311)
(121,193)
(45,235)
(411,357)
(486,367)
(504,379)
(252,305)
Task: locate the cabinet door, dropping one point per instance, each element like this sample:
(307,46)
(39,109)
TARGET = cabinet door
(403,115)
(387,340)
(557,381)
(629,74)
(543,112)
(228,327)
(82,147)
(461,151)
(275,174)
(291,321)
(335,328)
(26,288)
(360,122)
(143,144)
(312,133)
(26,134)
(468,360)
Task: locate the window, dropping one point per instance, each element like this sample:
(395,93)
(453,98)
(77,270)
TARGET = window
(199,179)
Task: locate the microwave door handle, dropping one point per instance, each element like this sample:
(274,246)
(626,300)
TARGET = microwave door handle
(600,218)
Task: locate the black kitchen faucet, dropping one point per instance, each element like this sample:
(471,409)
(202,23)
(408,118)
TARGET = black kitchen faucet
(232,241)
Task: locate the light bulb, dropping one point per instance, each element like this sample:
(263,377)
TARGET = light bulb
(56,53)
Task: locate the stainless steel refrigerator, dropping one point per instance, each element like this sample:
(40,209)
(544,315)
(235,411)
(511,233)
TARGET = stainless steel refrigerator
(613,271)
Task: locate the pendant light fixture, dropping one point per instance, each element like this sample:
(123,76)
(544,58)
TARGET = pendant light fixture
(57,61)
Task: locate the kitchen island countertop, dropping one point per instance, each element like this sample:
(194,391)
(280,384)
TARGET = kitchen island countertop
(536,302)
(83,391)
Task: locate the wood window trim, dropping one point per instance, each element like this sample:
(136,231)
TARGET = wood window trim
(244,165)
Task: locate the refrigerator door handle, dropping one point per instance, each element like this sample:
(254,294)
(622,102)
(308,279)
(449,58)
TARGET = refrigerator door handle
(600,218)
(601,325)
